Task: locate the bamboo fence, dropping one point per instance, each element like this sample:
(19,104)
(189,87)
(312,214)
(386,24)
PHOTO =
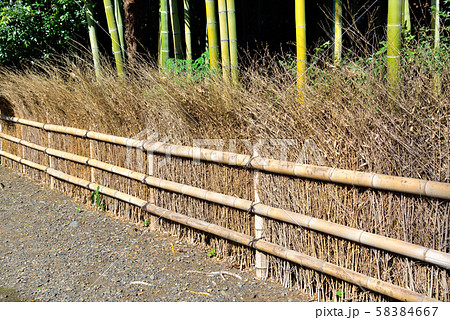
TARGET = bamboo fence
(371,283)
(52,161)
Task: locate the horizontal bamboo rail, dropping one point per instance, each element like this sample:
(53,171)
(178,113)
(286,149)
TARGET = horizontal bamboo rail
(378,181)
(400,247)
(301,259)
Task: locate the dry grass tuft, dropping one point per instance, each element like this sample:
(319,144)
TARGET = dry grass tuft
(350,120)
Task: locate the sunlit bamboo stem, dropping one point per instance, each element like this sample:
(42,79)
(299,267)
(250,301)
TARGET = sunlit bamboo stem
(117,51)
(394,32)
(337,32)
(93,38)
(300,23)
(163,45)
(232,35)
(213,43)
(224,42)
(119,20)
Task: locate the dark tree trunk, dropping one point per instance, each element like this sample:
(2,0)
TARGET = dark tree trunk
(129,8)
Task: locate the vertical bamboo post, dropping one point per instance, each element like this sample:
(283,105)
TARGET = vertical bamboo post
(232,35)
(187,30)
(92,156)
(300,23)
(435,25)
(213,43)
(119,20)
(22,136)
(394,32)
(178,51)
(93,38)
(150,162)
(163,34)
(337,32)
(50,159)
(117,50)
(260,258)
(224,41)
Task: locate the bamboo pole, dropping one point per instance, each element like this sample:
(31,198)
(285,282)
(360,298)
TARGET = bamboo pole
(406,17)
(261,264)
(119,20)
(163,46)
(213,43)
(394,38)
(337,32)
(260,210)
(178,50)
(301,259)
(187,30)
(224,41)
(434,189)
(300,23)
(117,50)
(232,35)
(93,38)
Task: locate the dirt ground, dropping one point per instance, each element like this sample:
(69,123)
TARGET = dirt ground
(54,249)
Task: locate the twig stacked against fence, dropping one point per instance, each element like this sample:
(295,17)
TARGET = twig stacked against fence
(55,162)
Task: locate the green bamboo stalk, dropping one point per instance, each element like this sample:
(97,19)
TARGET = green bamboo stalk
(300,23)
(163,46)
(435,22)
(406,17)
(224,42)
(117,51)
(93,38)
(213,43)
(187,30)
(435,25)
(232,34)
(119,20)
(394,32)
(178,50)
(337,32)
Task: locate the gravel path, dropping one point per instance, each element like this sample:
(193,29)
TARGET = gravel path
(52,251)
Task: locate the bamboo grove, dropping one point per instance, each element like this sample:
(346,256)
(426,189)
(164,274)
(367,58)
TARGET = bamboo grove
(222,36)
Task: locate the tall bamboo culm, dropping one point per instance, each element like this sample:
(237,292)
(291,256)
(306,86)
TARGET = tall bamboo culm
(300,23)
(406,17)
(232,35)
(213,39)
(337,32)
(117,51)
(394,38)
(93,38)
(163,46)
(187,30)
(119,20)
(435,25)
(224,41)
(175,20)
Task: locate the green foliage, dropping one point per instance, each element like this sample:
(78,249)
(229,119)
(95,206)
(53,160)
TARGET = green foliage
(196,70)
(97,198)
(34,29)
